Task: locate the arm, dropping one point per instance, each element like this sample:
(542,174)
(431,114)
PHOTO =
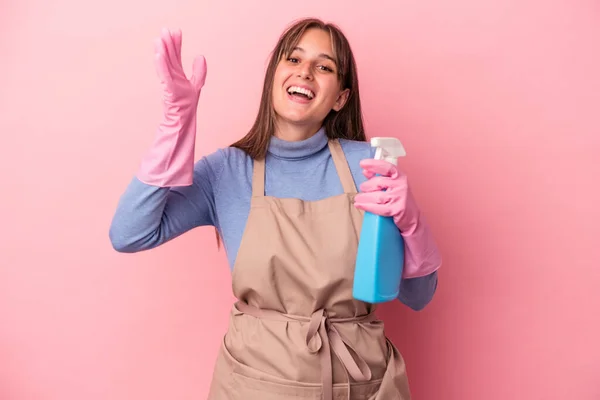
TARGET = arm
(416,293)
(386,193)
(169,194)
(148,215)
(422,260)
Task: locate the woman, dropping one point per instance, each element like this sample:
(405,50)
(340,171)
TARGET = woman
(285,204)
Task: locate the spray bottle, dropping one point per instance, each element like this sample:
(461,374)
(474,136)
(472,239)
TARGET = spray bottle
(380,255)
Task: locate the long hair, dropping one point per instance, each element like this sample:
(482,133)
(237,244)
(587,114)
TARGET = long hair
(344,124)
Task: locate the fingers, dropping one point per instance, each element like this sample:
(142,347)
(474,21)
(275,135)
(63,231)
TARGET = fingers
(378,209)
(160,63)
(374,202)
(372,167)
(377,197)
(377,183)
(170,50)
(198,72)
(176,37)
(169,46)
(368,173)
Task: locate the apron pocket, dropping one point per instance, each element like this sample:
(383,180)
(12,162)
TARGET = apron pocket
(248,388)
(246,383)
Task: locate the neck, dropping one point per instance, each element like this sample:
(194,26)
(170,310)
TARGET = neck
(294,132)
(298,149)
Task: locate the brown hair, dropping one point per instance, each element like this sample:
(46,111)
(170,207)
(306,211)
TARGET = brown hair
(346,123)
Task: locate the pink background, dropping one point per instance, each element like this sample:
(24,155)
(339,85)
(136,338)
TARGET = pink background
(497,103)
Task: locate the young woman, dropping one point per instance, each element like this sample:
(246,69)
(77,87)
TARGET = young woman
(285,203)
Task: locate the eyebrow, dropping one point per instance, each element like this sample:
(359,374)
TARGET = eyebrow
(322,55)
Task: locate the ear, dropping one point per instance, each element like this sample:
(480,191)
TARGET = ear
(341,99)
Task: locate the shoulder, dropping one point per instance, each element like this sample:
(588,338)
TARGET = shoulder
(227,164)
(226,158)
(355,146)
(225,171)
(357,150)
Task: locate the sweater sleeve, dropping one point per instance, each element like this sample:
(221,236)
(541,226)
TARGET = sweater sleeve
(416,293)
(148,216)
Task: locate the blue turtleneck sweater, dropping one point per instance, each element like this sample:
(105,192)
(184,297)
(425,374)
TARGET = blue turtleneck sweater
(148,216)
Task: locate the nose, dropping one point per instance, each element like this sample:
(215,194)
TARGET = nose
(304,71)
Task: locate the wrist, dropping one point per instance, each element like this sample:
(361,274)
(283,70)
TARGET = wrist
(408,223)
(180,124)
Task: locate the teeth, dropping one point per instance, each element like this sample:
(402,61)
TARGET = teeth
(296,89)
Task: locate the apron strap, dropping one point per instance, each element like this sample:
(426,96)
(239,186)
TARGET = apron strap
(258,178)
(341,165)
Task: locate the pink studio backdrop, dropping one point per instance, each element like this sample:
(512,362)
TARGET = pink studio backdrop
(496,101)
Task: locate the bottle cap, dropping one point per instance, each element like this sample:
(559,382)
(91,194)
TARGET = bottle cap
(388,149)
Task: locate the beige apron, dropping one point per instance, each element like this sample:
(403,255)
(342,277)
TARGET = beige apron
(296,332)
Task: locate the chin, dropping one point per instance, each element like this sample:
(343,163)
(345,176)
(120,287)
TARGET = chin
(295,116)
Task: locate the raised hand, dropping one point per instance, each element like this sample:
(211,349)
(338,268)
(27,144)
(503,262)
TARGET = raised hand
(170,161)
(179,91)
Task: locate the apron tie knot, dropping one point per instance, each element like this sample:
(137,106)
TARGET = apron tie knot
(323,336)
(314,343)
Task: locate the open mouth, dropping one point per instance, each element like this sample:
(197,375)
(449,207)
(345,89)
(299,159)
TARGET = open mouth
(300,93)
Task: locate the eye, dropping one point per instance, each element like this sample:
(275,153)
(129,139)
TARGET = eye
(292,59)
(325,68)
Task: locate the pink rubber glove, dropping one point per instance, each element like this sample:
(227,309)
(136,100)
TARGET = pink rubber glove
(170,160)
(421,253)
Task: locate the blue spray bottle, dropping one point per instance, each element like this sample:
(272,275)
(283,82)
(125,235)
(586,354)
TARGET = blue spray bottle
(380,255)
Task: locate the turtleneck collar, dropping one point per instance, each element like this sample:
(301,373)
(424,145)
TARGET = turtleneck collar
(300,149)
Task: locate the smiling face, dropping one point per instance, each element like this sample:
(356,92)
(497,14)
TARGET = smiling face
(306,85)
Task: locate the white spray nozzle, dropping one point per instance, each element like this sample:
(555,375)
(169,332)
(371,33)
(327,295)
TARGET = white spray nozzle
(388,149)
